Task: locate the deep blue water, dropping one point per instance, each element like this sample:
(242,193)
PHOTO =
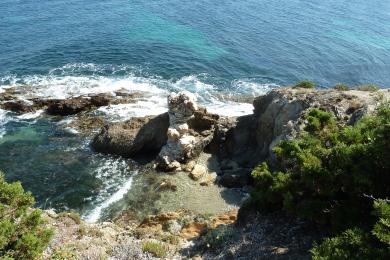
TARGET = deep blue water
(261,41)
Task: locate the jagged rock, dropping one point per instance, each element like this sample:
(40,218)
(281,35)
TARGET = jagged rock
(19,106)
(192,230)
(224,219)
(68,106)
(160,219)
(188,167)
(198,172)
(191,129)
(64,107)
(134,137)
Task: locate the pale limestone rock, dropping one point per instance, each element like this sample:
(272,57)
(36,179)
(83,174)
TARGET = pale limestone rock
(186,132)
(208,179)
(198,172)
(189,166)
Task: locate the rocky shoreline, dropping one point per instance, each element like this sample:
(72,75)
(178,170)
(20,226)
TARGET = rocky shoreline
(211,150)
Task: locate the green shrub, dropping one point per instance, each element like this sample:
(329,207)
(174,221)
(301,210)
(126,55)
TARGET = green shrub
(216,239)
(368,87)
(341,87)
(358,243)
(22,230)
(318,120)
(305,84)
(351,244)
(155,248)
(330,176)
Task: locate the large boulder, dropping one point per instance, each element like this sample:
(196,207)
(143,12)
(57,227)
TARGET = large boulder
(138,136)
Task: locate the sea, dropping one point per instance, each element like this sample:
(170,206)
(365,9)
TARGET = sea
(218,50)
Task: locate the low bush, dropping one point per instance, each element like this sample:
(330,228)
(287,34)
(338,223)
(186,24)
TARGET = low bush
(341,87)
(216,239)
(368,87)
(335,177)
(305,84)
(155,248)
(23,234)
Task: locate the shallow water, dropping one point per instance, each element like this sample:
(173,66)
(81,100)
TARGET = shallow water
(217,50)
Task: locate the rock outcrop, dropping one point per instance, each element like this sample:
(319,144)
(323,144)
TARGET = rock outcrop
(241,143)
(190,130)
(136,137)
(64,107)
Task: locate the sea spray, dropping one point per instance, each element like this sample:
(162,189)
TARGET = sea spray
(95,214)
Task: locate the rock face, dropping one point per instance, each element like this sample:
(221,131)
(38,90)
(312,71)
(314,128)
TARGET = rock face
(135,137)
(280,114)
(190,130)
(241,143)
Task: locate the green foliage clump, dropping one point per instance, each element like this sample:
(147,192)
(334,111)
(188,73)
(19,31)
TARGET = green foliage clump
(305,84)
(358,243)
(318,120)
(22,231)
(368,87)
(155,248)
(332,176)
(216,239)
(341,87)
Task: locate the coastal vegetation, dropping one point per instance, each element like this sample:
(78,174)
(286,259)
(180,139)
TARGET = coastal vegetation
(368,87)
(331,169)
(23,234)
(154,248)
(337,177)
(341,87)
(305,84)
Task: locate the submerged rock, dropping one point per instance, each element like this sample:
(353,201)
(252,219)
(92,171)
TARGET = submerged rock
(137,136)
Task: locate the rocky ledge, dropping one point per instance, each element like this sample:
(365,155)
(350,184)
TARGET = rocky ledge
(178,137)
(11,100)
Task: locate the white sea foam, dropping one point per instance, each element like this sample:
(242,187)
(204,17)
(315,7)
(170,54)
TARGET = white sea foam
(113,174)
(3,121)
(153,105)
(95,214)
(65,82)
(252,88)
(31,115)
(70,130)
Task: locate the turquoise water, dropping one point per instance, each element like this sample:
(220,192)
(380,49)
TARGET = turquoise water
(262,41)
(58,49)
